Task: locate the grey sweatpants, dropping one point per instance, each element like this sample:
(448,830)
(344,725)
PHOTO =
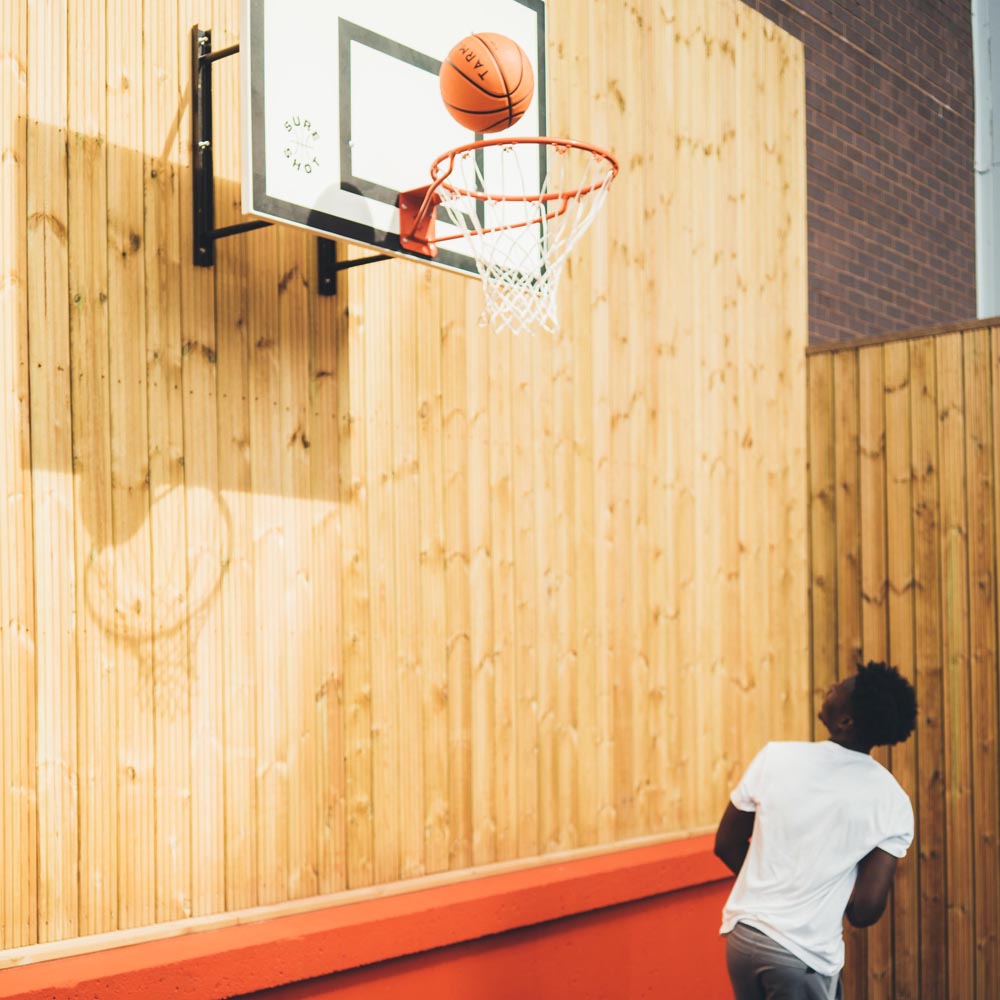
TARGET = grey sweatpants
(760,969)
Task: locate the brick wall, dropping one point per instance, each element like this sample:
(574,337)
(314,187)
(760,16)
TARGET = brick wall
(890,124)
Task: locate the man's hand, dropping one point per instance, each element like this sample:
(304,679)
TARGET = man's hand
(732,839)
(871,890)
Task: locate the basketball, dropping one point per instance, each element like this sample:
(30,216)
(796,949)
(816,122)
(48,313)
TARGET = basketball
(487,82)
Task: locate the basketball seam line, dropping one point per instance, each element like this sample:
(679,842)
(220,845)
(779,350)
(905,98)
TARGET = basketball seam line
(479,86)
(503,76)
(490,111)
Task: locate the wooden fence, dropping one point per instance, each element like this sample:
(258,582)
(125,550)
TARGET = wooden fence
(903,442)
(301,595)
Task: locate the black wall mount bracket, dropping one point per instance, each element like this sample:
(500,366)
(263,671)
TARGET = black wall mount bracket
(203,170)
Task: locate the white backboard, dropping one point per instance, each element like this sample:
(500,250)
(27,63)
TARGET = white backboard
(342,111)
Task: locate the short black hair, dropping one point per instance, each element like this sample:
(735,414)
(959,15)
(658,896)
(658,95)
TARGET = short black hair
(883,705)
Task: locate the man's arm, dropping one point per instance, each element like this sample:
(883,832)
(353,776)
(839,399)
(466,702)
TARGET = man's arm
(732,839)
(871,890)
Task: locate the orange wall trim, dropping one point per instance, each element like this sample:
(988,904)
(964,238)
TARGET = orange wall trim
(665,897)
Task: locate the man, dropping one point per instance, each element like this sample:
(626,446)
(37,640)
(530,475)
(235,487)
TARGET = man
(813,833)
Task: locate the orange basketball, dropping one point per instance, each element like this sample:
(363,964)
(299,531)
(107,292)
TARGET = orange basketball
(487,82)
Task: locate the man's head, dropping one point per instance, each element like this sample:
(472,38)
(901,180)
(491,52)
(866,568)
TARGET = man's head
(875,707)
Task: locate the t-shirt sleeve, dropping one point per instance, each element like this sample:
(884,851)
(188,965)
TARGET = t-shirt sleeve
(900,836)
(746,795)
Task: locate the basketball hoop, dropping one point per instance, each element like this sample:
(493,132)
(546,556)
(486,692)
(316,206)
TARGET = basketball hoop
(521,204)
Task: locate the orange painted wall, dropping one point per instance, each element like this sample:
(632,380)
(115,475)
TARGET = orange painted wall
(623,926)
(665,947)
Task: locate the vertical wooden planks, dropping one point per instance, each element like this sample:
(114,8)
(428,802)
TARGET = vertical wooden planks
(940,551)
(985,725)
(407,341)
(296,251)
(575,352)
(770,376)
(901,589)
(131,498)
(726,264)
(637,51)
(51,461)
(925,515)
(207,456)
(566,659)
(504,596)
(871,495)
(600,417)
(823,521)
(664,795)
(682,583)
(483,745)
(328,318)
(455,449)
(89,358)
(849,616)
(18,791)
(791,554)
(755,723)
(461,305)
(563,668)
(525,583)
(563,821)
(718,593)
(705,343)
(591,778)
(379,292)
(209,518)
(173,620)
(542,498)
(955,660)
(981,490)
(846,467)
(874,593)
(617,30)
(669,500)
(214,359)
(354,428)
(235,593)
(432,609)
(269,555)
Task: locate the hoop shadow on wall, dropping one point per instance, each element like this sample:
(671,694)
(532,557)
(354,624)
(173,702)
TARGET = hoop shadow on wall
(160,625)
(125,381)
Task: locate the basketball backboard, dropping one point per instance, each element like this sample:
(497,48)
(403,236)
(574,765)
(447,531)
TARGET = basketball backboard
(342,109)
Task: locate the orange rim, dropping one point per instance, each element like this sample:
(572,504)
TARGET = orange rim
(439,179)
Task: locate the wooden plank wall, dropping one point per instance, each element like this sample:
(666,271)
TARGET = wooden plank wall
(903,442)
(304,594)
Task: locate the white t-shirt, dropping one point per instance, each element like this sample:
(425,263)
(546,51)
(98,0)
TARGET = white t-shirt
(820,809)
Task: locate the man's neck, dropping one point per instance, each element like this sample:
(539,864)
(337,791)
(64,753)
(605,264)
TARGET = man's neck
(848,744)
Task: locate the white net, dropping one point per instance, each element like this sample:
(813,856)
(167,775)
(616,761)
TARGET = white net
(522,206)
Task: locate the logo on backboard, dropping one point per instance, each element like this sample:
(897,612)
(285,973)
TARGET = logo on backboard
(301,142)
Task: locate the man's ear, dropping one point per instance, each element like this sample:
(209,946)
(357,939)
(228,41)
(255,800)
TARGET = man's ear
(844,724)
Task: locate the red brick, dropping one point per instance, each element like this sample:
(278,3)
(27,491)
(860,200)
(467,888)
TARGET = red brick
(891,184)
